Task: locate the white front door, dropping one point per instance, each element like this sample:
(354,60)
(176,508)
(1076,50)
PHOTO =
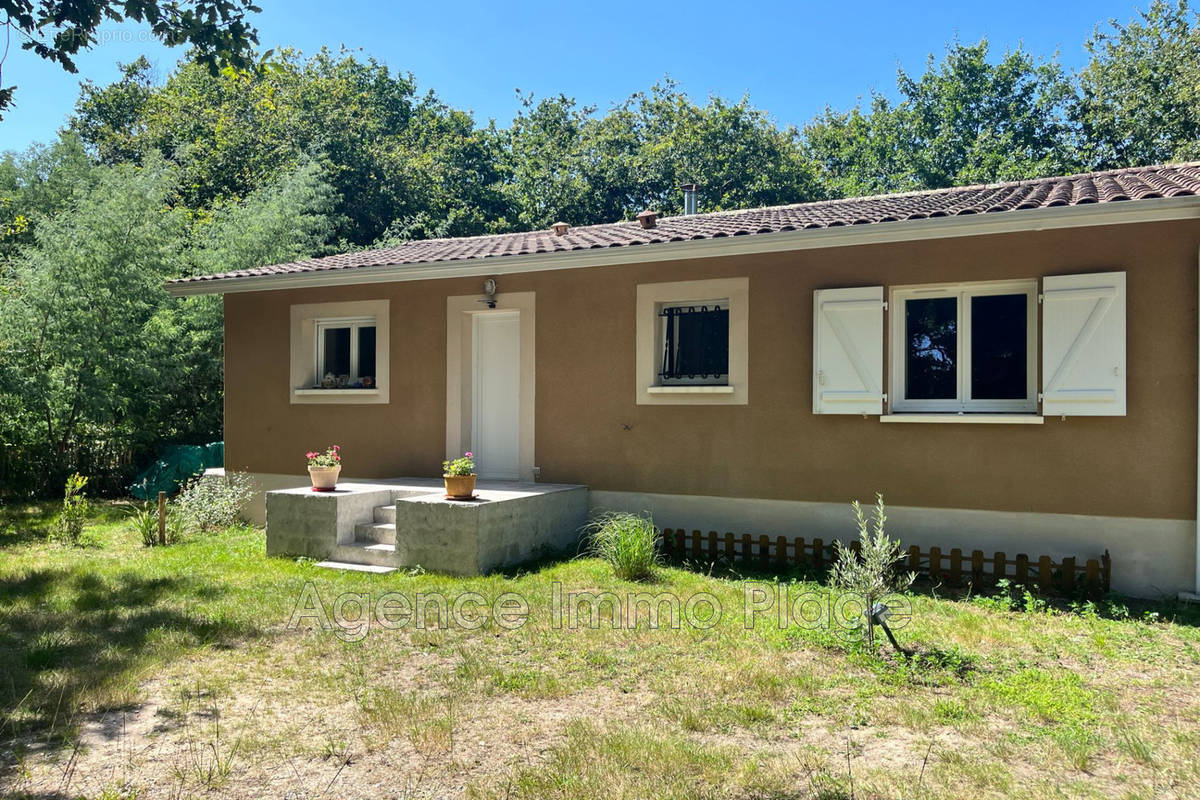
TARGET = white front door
(496,417)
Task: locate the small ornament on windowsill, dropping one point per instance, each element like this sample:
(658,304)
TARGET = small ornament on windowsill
(368,382)
(343,381)
(329,381)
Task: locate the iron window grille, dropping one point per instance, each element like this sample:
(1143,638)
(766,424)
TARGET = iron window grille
(695,344)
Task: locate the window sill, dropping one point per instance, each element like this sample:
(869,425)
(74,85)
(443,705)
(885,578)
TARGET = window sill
(331,392)
(689,390)
(976,419)
(374,395)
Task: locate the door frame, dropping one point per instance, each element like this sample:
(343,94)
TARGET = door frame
(460,371)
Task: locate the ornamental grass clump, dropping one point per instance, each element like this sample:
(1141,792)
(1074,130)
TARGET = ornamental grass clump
(628,542)
(872,573)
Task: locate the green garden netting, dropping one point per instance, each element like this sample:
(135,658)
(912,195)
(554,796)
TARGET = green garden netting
(175,465)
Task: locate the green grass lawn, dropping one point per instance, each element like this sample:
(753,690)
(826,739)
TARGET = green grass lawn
(173,672)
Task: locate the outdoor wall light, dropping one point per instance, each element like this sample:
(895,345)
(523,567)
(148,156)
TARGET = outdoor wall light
(489,289)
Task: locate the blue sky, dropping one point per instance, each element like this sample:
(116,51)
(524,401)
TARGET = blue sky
(792,58)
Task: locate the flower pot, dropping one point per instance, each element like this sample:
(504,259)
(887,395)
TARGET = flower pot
(324,479)
(460,487)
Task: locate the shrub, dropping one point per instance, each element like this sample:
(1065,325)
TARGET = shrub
(872,573)
(209,503)
(628,542)
(68,526)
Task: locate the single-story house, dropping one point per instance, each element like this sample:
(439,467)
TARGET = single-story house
(1013,365)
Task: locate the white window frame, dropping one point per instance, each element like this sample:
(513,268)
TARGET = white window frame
(304,355)
(651,297)
(963,403)
(721,380)
(354,324)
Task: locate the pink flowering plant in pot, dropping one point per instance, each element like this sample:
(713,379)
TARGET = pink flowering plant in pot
(459,477)
(324,468)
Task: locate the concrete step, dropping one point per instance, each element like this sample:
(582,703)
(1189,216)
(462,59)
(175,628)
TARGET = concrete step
(377,533)
(385,513)
(343,565)
(379,555)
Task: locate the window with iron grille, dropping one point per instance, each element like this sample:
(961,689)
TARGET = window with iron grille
(695,343)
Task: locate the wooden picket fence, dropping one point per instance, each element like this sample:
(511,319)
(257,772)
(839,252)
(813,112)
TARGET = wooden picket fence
(954,568)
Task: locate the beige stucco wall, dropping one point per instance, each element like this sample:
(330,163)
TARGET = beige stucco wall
(591,430)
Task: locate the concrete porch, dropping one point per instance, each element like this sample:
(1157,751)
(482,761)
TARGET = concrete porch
(408,522)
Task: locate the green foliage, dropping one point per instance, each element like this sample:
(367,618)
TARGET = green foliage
(967,119)
(68,526)
(95,361)
(628,542)
(1139,96)
(394,161)
(871,573)
(208,504)
(566,163)
(216,29)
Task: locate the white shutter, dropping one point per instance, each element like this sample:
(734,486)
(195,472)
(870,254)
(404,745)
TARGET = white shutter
(848,351)
(1083,345)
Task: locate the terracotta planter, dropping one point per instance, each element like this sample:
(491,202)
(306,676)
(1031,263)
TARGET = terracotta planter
(324,479)
(460,487)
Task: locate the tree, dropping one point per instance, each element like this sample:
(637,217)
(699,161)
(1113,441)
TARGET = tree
(1139,96)
(564,162)
(38,184)
(57,30)
(871,573)
(95,360)
(184,340)
(389,154)
(72,318)
(965,120)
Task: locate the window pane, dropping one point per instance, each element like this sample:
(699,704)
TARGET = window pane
(337,351)
(931,328)
(697,342)
(999,350)
(366,352)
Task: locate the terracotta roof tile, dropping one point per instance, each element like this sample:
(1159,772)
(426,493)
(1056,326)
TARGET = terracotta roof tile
(1132,184)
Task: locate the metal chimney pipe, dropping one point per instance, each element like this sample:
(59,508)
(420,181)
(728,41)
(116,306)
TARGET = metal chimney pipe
(689,198)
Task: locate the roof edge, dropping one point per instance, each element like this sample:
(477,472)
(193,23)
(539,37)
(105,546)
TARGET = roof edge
(1093,214)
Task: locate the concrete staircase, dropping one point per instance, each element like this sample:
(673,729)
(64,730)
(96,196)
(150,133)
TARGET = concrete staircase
(373,548)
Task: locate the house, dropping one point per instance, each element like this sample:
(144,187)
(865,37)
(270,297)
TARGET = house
(1013,365)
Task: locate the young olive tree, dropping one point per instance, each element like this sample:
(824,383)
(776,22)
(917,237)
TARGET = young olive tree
(871,574)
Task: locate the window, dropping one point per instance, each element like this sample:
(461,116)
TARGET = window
(695,344)
(339,352)
(345,353)
(965,347)
(692,342)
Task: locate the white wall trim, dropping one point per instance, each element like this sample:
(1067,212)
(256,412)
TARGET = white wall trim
(460,313)
(975,419)
(650,299)
(1196,529)
(303,348)
(1117,213)
(1151,557)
